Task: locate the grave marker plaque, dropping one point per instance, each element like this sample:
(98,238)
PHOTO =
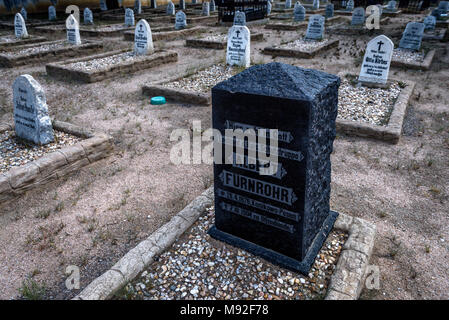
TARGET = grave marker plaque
(51,13)
(412,36)
(129,17)
(88,16)
(299,12)
(20,28)
(358,16)
(315,28)
(143,39)
(430,23)
(180,20)
(376,61)
(31,118)
(73,30)
(285,217)
(238,47)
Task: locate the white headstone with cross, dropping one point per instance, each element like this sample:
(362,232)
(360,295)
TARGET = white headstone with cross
(376,61)
(238,47)
(143,39)
(73,30)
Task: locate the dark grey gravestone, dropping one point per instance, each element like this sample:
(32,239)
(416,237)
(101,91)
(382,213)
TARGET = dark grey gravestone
(430,23)
(329,10)
(299,12)
(412,36)
(315,28)
(285,217)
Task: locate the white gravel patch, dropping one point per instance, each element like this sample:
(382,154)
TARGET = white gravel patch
(408,55)
(101,63)
(215,38)
(303,45)
(40,48)
(9,38)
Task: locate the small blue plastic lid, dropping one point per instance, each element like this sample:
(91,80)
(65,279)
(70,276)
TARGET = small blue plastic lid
(158,100)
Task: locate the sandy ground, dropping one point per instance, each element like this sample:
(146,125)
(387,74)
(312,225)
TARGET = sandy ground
(96,215)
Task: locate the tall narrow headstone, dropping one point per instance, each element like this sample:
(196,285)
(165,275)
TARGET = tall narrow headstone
(103,6)
(299,12)
(88,16)
(24,13)
(288,4)
(239,18)
(430,23)
(412,36)
(212,6)
(316,4)
(170,9)
(137,7)
(20,28)
(31,119)
(206,9)
(358,16)
(129,17)
(73,30)
(238,47)
(284,217)
(143,39)
(315,28)
(350,5)
(51,13)
(153,4)
(269,8)
(180,20)
(182,5)
(329,10)
(376,62)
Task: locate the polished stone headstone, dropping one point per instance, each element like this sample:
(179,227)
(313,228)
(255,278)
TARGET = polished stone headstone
(31,120)
(88,16)
(73,30)
(180,20)
(51,13)
(377,59)
(238,47)
(430,23)
(206,9)
(137,7)
(20,28)
(239,18)
(143,39)
(103,6)
(329,10)
(299,12)
(129,17)
(358,16)
(412,36)
(284,217)
(315,28)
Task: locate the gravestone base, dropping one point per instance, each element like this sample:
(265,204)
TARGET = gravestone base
(418,65)
(219,45)
(297,53)
(278,258)
(168,35)
(23,41)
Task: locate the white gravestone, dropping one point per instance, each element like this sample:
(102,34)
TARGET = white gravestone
(412,36)
(268,7)
(212,6)
(288,4)
(316,4)
(350,5)
(180,20)
(88,16)
(238,47)
(376,62)
(129,17)
(315,28)
(24,13)
(430,23)
(239,18)
(329,10)
(103,6)
(299,12)
(143,39)
(206,9)
(358,16)
(20,28)
(137,7)
(170,9)
(153,4)
(31,118)
(51,13)
(73,30)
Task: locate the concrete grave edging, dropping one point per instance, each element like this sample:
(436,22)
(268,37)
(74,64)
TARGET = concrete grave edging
(167,35)
(424,65)
(19,42)
(281,52)
(210,44)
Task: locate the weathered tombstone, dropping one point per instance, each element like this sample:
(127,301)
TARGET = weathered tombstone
(315,28)
(103,6)
(430,23)
(239,18)
(212,6)
(73,30)
(329,10)
(444,5)
(268,8)
(358,16)
(24,13)
(299,12)
(284,218)
(193,1)
(316,4)
(350,5)
(182,5)
(206,9)
(412,36)
(153,4)
(20,28)
(129,17)
(376,61)
(238,47)
(180,20)
(170,9)
(31,119)
(391,6)
(88,16)
(143,39)
(288,4)
(137,7)
(51,13)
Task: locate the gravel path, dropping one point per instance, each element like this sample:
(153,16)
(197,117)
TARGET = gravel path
(303,45)
(14,153)
(199,267)
(407,55)
(101,63)
(372,105)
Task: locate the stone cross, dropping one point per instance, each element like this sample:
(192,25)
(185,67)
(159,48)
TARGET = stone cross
(412,36)
(206,9)
(143,39)
(20,28)
(137,7)
(51,13)
(73,30)
(299,12)
(31,119)
(329,10)
(180,20)
(430,23)
(376,62)
(129,17)
(315,28)
(88,16)
(283,217)
(238,47)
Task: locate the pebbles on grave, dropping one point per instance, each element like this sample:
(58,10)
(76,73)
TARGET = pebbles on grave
(372,105)
(14,153)
(408,55)
(196,267)
(215,38)
(303,45)
(101,63)
(40,48)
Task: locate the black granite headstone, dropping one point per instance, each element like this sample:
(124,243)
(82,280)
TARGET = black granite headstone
(285,217)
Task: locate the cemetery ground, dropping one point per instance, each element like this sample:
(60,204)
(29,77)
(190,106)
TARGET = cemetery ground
(93,217)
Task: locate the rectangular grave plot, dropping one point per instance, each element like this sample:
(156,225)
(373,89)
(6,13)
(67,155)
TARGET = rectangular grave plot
(13,58)
(435,35)
(113,30)
(286,26)
(299,53)
(19,42)
(168,35)
(66,71)
(218,44)
(194,20)
(51,30)
(31,24)
(387,13)
(416,65)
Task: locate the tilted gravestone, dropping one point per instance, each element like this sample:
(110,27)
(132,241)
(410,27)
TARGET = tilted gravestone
(137,7)
(206,9)
(283,217)
(73,30)
(430,23)
(329,10)
(299,12)
(238,47)
(376,61)
(103,6)
(153,4)
(182,5)
(350,5)
(51,13)
(170,9)
(315,28)
(143,39)
(358,16)
(20,28)
(412,36)
(88,16)
(288,4)
(391,6)
(129,17)
(180,20)
(316,4)
(239,18)
(31,119)
(24,13)
(212,6)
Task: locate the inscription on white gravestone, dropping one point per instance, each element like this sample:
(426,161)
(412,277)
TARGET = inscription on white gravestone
(315,28)
(31,118)
(20,28)
(238,48)
(88,16)
(129,17)
(143,39)
(376,62)
(73,30)
(180,20)
(412,36)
